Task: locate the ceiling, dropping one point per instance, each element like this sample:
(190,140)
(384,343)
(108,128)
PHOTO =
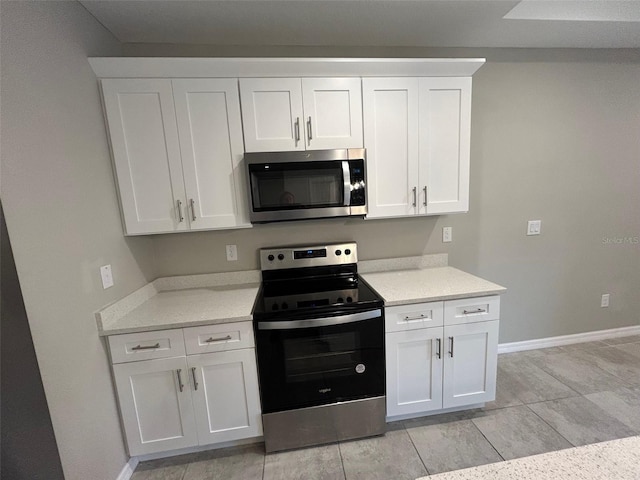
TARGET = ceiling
(389,23)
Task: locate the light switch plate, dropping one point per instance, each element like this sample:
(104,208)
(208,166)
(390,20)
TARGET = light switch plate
(533,227)
(107,276)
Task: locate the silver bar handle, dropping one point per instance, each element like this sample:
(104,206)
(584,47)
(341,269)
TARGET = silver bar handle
(146,347)
(425,195)
(419,317)
(451,346)
(320,322)
(180,217)
(193,209)
(479,310)
(296,128)
(415,194)
(222,339)
(439,348)
(346,175)
(180,384)
(193,374)
(309,134)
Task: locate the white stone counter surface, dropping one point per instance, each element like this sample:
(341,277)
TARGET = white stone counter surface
(417,285)
(187,301)
(613,460)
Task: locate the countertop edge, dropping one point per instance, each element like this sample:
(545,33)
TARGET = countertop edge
(171,326)
(454,296)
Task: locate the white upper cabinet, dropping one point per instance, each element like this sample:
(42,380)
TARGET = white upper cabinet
(146,153)
(390,108)
(178,168)
(417,134)
(445,133)
(284,114)
(209,125)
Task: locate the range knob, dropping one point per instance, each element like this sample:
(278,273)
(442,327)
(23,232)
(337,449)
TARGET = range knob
(347,252)
(270,258)
(285,305)
(338,252)
(280,256)
(275,306)
(349,299)
(340,300)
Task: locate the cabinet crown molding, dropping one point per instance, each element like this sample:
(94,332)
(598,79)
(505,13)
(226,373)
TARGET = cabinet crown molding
(162,67)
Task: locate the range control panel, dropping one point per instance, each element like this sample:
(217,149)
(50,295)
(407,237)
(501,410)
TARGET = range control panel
(308,256)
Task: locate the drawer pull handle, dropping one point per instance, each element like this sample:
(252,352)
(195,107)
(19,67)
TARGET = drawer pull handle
(193,374)
(407,318)
(146,347)
(438,351)
(222,339)
(479,310)
(451,346)
(180,384)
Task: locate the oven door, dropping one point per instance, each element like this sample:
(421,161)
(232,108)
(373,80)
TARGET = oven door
(317,361)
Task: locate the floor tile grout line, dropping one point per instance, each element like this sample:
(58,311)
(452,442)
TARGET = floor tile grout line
(264,463)
(344,470)
(416,449)
(551,426)
(488,441)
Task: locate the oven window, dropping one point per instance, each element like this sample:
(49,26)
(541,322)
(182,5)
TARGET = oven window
(291,186)
(321,357)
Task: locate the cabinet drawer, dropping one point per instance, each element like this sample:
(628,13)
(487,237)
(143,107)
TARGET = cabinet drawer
(132,347)
(411,317)
(471,310)
(219,338)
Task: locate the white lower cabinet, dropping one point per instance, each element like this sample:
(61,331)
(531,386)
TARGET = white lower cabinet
(441,367)
(188,400)
(225,395)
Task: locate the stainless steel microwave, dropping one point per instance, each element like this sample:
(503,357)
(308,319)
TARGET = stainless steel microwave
(303,185)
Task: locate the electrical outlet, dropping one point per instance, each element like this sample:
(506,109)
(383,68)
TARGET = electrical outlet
(447,234)
(232,253)
(107,276)
(604,302)
(533,227)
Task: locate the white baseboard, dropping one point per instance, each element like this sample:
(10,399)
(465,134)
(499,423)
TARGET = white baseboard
(568,339)
(127,471)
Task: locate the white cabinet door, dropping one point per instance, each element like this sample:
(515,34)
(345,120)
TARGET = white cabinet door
(470,363)
(225,395)
(146,153)
(210,128)
(332,113)
(414,371)
(390,107)
(445,132)
(155,403)
(272,114)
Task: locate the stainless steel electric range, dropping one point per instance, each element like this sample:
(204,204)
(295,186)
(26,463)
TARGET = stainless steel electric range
(320,345)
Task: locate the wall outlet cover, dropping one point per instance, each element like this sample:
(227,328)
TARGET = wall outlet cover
(447,234)
(107,276)
(232,253)
(533,227)
(604,301)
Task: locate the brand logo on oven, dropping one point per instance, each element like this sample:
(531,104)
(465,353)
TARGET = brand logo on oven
(324,390)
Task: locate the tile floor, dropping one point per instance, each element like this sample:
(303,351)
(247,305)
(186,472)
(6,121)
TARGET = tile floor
(547,399)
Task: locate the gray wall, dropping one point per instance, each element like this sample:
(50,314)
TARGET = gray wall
(555,137)
(63,220)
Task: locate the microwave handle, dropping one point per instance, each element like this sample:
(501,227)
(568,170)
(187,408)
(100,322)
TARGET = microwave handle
(346,175)
(320,322)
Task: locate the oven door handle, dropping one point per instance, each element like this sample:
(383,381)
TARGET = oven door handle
(320,322)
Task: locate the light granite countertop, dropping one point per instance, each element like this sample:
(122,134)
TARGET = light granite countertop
(612,460)
(417,285)
(176,302)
